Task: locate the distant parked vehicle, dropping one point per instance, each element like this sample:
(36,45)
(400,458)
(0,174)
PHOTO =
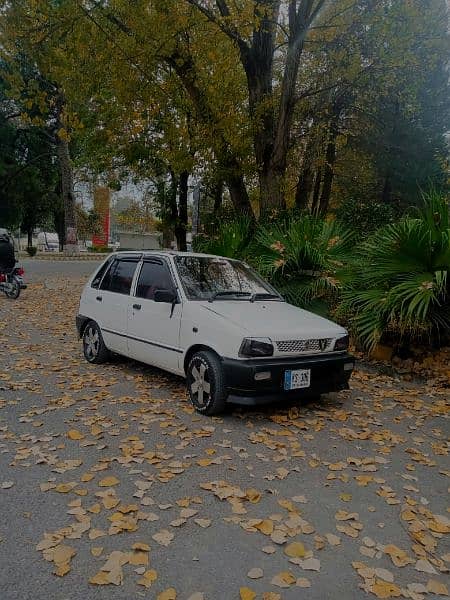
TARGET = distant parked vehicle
(48,242)
(11,282)
(11,276)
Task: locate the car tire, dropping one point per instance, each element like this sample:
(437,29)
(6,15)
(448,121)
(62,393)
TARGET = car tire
(94,348)
(206,383)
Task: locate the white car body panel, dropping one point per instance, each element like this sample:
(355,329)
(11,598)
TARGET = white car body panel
(154,336)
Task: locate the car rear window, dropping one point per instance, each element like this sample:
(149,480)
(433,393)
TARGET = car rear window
(98,276)
(119,277)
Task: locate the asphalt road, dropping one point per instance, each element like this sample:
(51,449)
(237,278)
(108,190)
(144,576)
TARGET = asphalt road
(359,480)
(36,270)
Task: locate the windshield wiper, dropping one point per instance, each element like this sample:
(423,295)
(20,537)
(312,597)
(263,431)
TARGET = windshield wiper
(227,293)
(264,296)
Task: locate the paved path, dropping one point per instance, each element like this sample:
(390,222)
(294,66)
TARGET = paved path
(97,459)
(36,270)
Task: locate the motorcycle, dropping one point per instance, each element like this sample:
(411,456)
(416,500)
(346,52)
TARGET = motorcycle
(11,282)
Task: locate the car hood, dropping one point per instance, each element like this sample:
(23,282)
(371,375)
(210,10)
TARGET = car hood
(276,320)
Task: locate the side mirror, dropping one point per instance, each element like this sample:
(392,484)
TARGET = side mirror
(167,296)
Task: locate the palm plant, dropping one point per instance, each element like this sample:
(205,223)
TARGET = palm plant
(400,283)
(231,239)
(302,258)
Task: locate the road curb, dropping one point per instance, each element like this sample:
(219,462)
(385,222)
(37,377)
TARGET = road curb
(97,257)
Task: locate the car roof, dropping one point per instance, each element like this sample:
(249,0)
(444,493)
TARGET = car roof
(165,253)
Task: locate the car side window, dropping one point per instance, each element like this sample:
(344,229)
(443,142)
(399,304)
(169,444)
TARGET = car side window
(98,276)
(120,277)
(154,275)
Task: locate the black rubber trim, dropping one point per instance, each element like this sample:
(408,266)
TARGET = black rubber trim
(130,337)
(80,321)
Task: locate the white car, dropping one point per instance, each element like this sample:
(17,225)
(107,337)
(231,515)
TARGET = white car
(214,321)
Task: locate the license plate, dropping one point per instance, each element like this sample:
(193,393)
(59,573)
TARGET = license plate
(293,380)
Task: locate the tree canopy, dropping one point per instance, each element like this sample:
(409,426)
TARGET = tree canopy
(305,102)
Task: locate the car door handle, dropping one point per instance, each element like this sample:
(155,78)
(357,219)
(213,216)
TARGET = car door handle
(99,298)
(137,306)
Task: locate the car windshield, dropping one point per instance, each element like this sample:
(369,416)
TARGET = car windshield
(214,278)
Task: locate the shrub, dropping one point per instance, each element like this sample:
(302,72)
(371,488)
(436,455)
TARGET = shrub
(31,250)
(365,215)
(303,257)
(102,249)
(399,287)
(232,239)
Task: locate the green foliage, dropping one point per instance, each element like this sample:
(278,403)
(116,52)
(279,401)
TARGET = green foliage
(100,249)
(365,215)
(27,171)
(300,255)
(88,222)
(399,286)
(31,250)
(232,239)
(303,258)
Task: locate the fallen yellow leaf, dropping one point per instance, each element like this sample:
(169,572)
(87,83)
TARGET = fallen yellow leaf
(383,589)
(108,481)
(148,578)
(265,527)
(253,495)
(246,593)
(295,550)
(436,587)
(74,434)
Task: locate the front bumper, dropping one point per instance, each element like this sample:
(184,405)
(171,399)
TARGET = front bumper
(328,374)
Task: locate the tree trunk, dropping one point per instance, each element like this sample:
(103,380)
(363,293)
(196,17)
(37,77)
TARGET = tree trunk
(330,156)
(29,237)
(329,170)
(304,186)
(305,180)
(71,242)
(386,195)
(217,193)
(181,222)
(316,194)
(272,119)
(236,185)
(184,66)
(173,209)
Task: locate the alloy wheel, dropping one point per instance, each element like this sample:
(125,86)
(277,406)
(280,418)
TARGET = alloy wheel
(91,343)
(200,385)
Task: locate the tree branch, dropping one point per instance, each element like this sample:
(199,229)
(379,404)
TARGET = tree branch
(231,32)
(316,91)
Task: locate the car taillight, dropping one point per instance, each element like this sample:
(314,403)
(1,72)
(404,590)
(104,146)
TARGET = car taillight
(2,277)
(20,271)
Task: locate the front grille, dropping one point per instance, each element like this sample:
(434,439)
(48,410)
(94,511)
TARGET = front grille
(321,345)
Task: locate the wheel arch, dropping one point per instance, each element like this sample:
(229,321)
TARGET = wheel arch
(82,324)
(197,348)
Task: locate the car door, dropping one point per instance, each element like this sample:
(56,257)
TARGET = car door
(154,327)
(90,307)
(112,300)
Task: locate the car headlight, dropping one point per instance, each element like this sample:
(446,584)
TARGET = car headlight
(256,347)
(342,343)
